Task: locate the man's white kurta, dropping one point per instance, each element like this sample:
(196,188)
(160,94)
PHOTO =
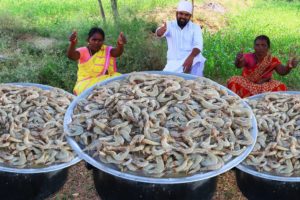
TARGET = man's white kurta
(181,42)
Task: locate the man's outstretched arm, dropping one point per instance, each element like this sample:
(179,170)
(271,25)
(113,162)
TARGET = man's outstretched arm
(161,30)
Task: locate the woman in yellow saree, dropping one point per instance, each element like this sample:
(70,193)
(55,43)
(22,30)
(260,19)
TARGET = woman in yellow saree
(258,68)
(96,61)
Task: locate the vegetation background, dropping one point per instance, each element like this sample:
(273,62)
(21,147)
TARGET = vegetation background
(34,38)
(34,35)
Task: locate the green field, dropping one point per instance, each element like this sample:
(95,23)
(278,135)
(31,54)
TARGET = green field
(34,37)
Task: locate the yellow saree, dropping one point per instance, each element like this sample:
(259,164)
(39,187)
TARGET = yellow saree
(99,67)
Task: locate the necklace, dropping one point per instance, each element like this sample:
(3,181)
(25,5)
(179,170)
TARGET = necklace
(90,51)
(259,59)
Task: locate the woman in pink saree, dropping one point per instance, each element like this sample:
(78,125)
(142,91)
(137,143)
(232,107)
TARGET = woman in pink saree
(258,68)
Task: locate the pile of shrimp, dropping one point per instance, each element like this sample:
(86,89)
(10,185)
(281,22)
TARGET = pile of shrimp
(277,150)
(162,125)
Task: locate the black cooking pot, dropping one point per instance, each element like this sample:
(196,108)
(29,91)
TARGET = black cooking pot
(259,186)
(111,187)
(113,184)
(16,186)
(263,186)
(32,183)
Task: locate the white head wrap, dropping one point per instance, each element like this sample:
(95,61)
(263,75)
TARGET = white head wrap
(185,6)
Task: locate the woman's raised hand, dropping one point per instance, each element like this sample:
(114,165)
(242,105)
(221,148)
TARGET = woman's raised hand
(73,37)
(292,62)
(240,55)
(239,59)
(121,39)
(71,52)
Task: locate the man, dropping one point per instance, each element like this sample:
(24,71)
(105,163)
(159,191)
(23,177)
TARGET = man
(185,42)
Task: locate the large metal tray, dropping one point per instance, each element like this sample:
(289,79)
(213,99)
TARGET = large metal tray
(251,170)
(113,170)
(50,168)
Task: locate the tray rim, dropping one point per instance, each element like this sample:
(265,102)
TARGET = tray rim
(50,168)
(252,170)
(196,177)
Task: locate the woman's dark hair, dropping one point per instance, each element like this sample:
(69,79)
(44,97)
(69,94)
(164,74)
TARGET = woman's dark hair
(96,30)
(265,38)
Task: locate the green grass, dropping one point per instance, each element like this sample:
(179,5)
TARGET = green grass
(57,18)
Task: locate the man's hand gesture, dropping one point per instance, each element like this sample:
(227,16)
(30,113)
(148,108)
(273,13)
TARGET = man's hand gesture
(187,65)
(162,30)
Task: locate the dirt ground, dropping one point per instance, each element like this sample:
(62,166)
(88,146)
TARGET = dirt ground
(211,15)
(80,186)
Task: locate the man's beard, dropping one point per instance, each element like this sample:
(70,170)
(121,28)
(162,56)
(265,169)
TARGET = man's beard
(182,23)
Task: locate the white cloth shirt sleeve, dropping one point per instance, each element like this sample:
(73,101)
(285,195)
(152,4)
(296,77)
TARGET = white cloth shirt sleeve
(198,38)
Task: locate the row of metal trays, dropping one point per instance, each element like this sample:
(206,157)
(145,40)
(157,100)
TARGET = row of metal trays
(149,135)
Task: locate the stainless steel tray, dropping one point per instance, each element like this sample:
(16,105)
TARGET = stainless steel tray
(51,168)
(113,170)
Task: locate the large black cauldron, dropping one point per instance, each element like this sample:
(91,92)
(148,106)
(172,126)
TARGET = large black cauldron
(259,186)
(33,183)
(110,187)
(262,186)
(16,186)
(112,184)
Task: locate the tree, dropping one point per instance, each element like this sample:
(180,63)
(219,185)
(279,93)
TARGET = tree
(102,10)
(114,8)
(193,7)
